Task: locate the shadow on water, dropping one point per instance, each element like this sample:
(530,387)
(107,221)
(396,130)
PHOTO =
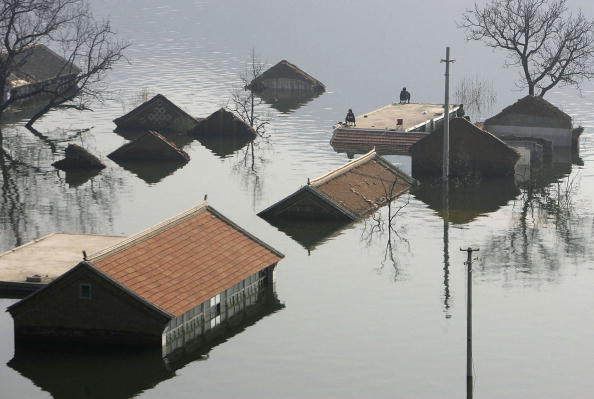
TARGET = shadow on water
(287,101)
(467,200)
(67,371)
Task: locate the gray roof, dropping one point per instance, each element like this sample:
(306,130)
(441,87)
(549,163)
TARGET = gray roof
(40,63)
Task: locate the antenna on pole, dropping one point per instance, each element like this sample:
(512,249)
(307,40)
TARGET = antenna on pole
(469,377)
(446,120)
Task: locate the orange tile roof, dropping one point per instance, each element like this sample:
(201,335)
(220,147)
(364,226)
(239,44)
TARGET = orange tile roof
(364,184)
(185,260)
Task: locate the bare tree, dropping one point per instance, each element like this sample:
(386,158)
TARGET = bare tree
(476,94)
(378,225)
(552,46)
(68,27)
(244,103)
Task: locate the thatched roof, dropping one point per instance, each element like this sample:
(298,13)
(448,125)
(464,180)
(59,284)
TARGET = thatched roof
(535,106)
(151,146)
(157,113)
(285,69)
(350,191)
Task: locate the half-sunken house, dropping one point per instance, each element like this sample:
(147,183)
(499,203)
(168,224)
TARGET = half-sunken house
(223,124)
(177,280)
(286,76)
(158,113)
(150,146)
(533,116)
(473,152)
(346,193)
(37,68)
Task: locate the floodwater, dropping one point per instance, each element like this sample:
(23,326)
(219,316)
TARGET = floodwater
(370,310)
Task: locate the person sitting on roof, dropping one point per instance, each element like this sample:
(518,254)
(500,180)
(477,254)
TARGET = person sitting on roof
(350,118)
(404,96)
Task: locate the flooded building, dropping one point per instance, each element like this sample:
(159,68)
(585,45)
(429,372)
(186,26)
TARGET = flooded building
(346,193)
(287,77)
(173,282)
(36,68)
(223,124)
(473,152)
(158,113)
(150,146)
(533,116)
(392,129)
(101,373)
(29,267)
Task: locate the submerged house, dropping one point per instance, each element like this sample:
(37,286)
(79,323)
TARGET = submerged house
(286,76)
(175,281)
(36,68)
(223,124)
(100,374)
(391,129)
(150,146)
(345,194)
(473,152)
(158,113)
(533,116)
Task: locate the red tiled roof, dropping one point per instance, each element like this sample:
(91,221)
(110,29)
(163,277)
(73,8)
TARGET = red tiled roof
(186,260)
(344,140)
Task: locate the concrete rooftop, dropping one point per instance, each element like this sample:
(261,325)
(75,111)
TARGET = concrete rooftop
(50,256)
(412,115)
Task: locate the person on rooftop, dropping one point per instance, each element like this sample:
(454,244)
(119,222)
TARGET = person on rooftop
(350,118)
(404,96)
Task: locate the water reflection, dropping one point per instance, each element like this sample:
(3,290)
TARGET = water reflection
(223,147)
(286,101)
(533,249)
(467,200)
(37,200)
(310,234)
(80,372)
(383,225)
(149,171)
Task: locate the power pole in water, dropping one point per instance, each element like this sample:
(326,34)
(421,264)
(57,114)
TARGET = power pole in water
(446,121)
(468,263)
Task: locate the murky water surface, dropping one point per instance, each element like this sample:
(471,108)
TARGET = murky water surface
(369,311)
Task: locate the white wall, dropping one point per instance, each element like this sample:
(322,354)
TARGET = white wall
(560,137)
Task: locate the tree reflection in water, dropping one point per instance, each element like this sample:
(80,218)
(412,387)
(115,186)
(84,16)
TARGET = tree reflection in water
(383,225)
(37,199)
(548,228)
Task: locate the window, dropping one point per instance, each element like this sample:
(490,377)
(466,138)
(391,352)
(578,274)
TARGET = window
(215,300)
(85,291)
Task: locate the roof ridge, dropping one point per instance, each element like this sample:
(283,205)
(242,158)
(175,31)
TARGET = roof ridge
(343,169)
(145,104)
(148,233)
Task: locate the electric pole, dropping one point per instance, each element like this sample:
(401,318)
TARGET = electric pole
(446,120)
(468,263)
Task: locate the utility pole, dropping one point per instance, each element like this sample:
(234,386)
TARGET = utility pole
(468,263)
(446,120)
